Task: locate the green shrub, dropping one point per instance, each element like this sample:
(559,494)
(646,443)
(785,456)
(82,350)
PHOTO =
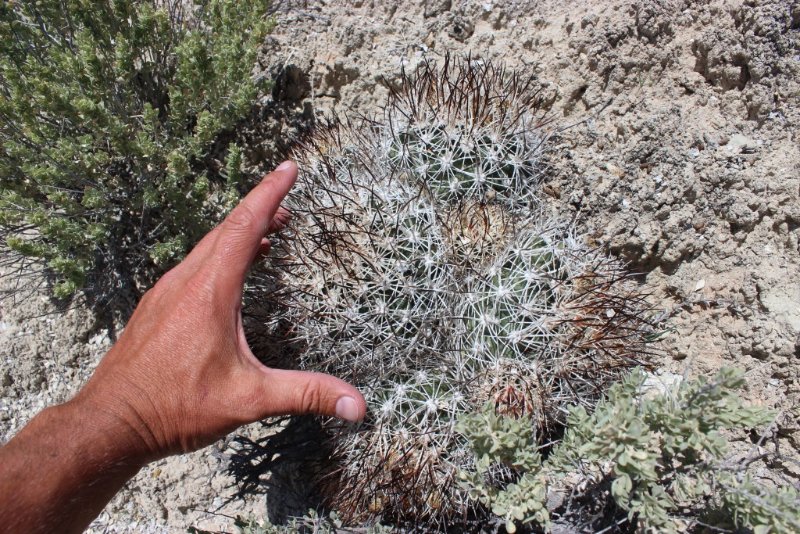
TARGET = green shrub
(110,120)
(663,453)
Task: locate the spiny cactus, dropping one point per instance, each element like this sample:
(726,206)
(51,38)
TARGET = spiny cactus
(421,266)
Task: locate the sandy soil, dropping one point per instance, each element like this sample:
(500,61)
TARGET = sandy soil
(674,145)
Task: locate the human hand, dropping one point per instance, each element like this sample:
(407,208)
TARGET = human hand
(182,375)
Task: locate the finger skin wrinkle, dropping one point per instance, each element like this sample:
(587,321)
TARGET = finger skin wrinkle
(311,398)
(242,220)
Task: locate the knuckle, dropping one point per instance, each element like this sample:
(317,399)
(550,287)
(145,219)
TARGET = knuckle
(165,282)
(311,397)
(153,294)
(200,287)
(241,218)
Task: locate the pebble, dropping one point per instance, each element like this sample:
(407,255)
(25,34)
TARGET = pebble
(741,143)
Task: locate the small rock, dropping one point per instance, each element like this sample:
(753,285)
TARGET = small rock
(436,7)
(741,143)
(700,284)
(783,302)
(461,28)
(658,384)
(589,20)
(291,84)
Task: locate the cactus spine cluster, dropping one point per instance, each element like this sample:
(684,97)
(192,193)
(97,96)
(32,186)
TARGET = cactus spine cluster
(422,267)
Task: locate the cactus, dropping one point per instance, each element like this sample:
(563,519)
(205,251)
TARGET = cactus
(421,266)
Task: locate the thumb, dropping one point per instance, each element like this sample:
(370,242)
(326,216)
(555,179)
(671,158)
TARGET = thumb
(288,392)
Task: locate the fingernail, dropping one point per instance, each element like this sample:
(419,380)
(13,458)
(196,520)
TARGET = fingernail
(283,166)
(347,408)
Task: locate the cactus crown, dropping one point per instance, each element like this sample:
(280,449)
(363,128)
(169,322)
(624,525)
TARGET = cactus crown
(421,266)
(467,131)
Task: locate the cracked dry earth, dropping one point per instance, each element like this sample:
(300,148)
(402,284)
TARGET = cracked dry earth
(674,145)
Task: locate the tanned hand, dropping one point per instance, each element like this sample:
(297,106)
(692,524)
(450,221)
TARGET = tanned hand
(180,377)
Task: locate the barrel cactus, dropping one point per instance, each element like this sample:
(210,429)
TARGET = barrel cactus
(422,266)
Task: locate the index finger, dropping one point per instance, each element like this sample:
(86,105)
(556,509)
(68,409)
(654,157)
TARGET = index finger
(239,236)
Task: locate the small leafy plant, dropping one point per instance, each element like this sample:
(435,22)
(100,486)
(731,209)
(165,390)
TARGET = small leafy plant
(311,522)
(664,454)
(110,121)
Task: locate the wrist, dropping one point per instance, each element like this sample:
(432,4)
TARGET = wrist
(117,434)
(69,457)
